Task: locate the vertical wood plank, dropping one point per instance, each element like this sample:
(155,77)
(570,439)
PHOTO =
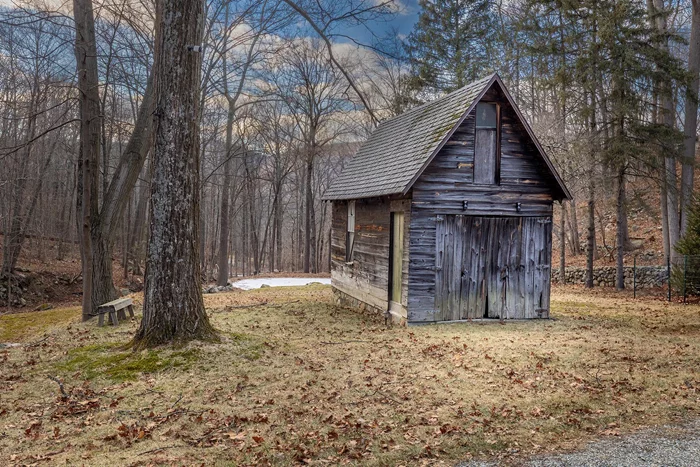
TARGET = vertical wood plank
(439,260)
(485,156)
(466,283)
(483,268)
(514,293)
(455,253)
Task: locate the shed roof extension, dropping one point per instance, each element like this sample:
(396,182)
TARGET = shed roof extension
(398,151)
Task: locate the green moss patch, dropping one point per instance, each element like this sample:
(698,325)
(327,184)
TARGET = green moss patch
(110,362)
(20,327)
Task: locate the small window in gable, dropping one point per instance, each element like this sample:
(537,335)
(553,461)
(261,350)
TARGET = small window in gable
(350,236)
(486,115)
(486,144)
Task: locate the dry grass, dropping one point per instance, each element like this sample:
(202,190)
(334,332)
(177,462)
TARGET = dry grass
(300,380)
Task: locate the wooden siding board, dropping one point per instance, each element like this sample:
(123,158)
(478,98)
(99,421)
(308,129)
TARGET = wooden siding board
(495,267)
(368,275)
(443,188)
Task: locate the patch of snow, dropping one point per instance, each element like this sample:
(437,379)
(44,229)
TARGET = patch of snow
(248,284)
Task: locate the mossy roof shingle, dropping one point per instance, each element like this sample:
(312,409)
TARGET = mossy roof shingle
(386,163)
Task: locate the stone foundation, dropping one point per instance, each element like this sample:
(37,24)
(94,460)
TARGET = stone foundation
(348,301)
(647,276)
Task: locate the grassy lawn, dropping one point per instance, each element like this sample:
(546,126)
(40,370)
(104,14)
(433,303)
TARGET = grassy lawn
(298,380)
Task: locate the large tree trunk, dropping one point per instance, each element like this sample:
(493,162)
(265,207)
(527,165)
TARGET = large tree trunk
(691,117)
(667,118)
(173,309)
(90,127)
(104,227)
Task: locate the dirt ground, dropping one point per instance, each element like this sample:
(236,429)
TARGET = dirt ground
(298,380)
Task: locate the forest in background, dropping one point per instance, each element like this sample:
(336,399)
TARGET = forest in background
(288,94)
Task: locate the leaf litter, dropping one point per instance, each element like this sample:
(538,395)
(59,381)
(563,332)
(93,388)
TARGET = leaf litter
(299,380)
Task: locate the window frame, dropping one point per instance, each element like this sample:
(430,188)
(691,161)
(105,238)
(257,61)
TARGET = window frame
(350,232)
(497,129)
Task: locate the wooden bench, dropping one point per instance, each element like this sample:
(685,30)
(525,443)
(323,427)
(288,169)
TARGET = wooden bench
(115,309)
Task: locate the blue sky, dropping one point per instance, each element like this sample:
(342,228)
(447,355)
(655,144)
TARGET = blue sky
(402,23)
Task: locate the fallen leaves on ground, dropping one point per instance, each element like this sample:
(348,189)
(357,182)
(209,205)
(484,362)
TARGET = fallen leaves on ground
(298,380)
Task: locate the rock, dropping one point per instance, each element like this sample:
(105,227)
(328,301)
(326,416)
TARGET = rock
(264,286)
(124,292)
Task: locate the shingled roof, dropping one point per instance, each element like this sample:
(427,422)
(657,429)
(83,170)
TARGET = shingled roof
(398,151)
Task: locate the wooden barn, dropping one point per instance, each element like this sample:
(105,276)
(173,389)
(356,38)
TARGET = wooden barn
(445,213)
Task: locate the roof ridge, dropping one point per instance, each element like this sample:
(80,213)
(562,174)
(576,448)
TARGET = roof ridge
(388,161)
(440,99)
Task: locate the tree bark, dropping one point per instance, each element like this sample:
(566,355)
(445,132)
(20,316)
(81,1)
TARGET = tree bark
(104,226)
(310,224)
(90,127)
(173,310)
(621,223)
(573,228)
(691,117)
(590,238)
(667,118)
(278,234)
(136,245)
(562,245)
(223,275)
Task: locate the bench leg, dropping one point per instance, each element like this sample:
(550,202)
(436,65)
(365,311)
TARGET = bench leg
(131,310)
(113,317)
(101,319)
(121,314)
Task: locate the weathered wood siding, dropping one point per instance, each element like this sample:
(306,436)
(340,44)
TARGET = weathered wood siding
(492,267)
(524,190)
(448,181)
(366,278)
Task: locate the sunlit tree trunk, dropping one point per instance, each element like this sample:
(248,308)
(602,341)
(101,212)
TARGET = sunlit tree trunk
(90,127)
(173,309)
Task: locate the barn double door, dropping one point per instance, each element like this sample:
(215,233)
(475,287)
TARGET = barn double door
(492,267)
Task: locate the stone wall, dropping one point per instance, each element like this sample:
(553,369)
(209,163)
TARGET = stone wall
(647,276)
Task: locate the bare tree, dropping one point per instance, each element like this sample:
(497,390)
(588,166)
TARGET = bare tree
(314,92)
(90,132)
(173,309)
(690,128)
